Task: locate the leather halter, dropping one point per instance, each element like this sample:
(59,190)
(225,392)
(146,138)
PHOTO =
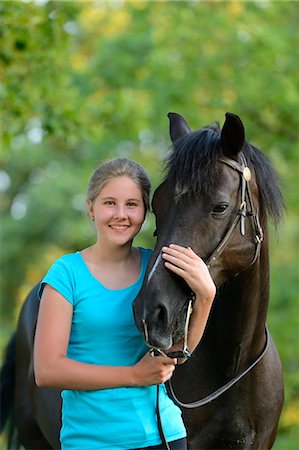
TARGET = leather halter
(246,208)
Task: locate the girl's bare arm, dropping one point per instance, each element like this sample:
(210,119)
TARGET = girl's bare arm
(53,368)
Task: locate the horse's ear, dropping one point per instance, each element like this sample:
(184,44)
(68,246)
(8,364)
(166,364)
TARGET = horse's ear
(232,135)
(178,126)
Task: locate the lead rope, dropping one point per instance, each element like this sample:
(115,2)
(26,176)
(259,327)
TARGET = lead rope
(177,354)
(160,426)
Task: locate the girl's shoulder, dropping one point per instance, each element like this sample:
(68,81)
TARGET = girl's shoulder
(66,265)
(68,258)
(146,253)
(62,275)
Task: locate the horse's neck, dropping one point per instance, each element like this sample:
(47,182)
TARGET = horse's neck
(236,330)
(242,311)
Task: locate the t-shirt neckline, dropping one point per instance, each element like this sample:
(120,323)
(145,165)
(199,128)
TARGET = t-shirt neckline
(83,263)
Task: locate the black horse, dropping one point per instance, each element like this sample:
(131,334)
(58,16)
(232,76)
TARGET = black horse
(33,414)
(206,202)
(215,198)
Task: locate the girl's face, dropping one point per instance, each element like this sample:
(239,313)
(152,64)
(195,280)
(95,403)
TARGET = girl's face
(118,211)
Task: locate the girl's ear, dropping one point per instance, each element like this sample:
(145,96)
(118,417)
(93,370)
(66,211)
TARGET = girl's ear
(90,209)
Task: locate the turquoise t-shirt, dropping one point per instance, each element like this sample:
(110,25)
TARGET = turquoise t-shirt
(104,332)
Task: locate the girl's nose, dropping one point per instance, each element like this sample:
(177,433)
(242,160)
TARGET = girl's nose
(121,211)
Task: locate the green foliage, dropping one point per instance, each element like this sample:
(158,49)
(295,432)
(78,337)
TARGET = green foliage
(81,82)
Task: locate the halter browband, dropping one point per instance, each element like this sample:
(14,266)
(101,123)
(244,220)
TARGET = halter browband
(244,210)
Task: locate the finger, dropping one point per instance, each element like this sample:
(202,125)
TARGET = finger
(193,268)
(174,249)
(185,250)
(175,269)
(169,371)
(169,361)
(169,374)
(180,248)
(183,264)
(179,258)
(182,253)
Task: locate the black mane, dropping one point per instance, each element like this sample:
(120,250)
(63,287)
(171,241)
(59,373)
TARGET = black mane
(192,167)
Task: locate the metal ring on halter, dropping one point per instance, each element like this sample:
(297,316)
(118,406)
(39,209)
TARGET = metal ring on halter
(180,354)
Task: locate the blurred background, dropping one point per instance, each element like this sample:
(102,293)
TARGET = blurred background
(84,81)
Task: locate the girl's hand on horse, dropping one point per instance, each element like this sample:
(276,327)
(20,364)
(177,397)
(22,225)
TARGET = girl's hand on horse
(153,370)
(188,265)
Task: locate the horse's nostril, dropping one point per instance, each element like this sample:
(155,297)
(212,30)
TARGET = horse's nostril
(155,328)
(160,317)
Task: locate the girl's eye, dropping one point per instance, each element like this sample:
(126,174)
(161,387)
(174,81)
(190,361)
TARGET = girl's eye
(131,204)
(109,202)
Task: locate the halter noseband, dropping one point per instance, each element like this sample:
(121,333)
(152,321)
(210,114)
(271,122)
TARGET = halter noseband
(246,209)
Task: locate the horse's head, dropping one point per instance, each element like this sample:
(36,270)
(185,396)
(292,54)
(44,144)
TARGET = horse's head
(209,201)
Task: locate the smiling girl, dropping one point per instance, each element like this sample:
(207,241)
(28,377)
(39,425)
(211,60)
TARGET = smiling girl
(86,340)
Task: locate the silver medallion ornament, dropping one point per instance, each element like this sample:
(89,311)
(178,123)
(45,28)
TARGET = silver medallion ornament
(247,173)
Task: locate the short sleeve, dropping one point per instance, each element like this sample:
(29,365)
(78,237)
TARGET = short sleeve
(61,278)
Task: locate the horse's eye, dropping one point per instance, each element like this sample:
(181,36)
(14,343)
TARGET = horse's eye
(221,208)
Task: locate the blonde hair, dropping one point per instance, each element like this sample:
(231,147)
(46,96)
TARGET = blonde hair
(115,168)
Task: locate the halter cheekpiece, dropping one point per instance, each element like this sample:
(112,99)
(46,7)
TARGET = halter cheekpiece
(246,208)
